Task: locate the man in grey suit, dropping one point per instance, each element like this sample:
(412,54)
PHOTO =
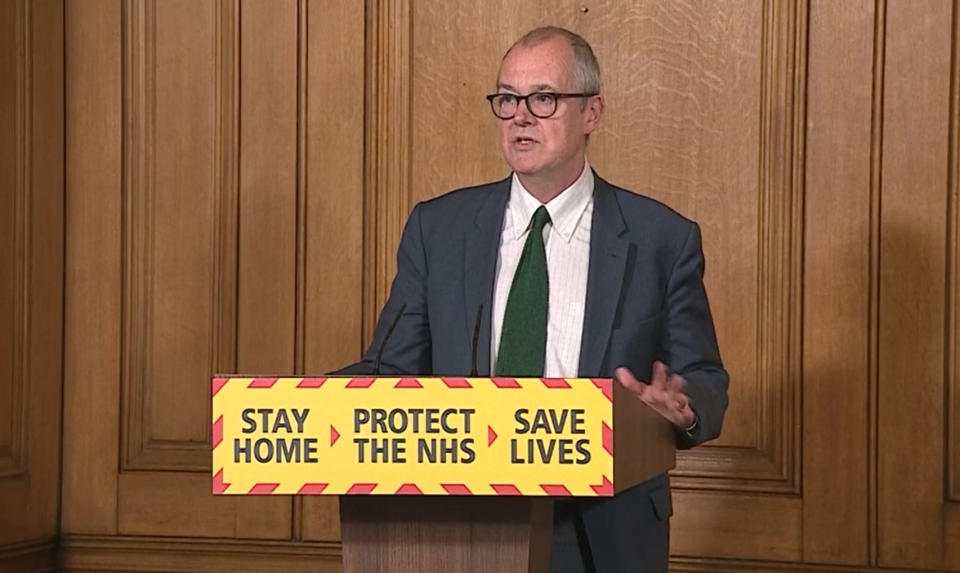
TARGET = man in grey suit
(561,274)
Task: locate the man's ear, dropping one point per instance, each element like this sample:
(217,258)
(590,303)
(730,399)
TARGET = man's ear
(593,113)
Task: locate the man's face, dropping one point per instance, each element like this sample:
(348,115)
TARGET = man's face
(548,149)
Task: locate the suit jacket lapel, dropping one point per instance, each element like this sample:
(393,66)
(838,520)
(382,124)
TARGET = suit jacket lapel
(482,246)
(608,258)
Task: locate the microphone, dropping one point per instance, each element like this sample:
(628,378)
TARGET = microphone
(386,337)
(476,339)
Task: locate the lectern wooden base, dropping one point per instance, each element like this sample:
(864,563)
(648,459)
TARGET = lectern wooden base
(415,534)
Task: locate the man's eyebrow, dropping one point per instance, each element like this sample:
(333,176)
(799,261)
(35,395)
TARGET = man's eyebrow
(536,88)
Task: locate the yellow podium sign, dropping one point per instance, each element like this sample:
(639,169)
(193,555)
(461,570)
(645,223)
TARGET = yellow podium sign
(405,435)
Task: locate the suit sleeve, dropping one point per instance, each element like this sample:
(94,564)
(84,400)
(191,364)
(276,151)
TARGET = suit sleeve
(407,349)
(691,343)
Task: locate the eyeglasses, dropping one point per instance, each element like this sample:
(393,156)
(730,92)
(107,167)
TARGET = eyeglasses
(540,104)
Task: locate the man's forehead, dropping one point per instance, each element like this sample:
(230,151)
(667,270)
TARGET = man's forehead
(554,49)
(547,64)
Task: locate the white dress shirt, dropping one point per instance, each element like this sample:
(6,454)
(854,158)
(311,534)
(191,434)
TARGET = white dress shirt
(567,243)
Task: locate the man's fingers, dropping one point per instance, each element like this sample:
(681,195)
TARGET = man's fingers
(676,382)
(629,381)
(677,412)
(667,400)
(660,372)
(664,394)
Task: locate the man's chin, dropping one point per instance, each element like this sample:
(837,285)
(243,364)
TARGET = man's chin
(525,167)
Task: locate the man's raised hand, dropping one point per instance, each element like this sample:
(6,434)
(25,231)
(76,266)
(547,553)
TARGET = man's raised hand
(664,394)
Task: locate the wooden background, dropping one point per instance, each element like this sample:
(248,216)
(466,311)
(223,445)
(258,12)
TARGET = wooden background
(189,187)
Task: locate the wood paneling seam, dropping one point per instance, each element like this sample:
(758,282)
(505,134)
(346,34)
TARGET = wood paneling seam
(873,312)
(301,217)
(139,132)
(952,335)
(226,190)
(296,515)
(13,456)
(387,166)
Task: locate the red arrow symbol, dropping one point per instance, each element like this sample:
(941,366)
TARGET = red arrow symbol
(334,435)
(491,436)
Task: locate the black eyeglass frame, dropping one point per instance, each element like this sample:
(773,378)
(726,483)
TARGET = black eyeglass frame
(524,99)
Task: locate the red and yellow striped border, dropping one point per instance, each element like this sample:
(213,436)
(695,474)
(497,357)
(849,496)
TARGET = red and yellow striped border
(251,387)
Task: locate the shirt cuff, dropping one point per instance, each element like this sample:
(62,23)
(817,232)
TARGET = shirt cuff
(693,427)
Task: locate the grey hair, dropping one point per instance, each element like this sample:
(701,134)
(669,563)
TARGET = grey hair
(586,70)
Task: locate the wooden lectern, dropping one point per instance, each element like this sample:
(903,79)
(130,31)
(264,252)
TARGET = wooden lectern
(489,534)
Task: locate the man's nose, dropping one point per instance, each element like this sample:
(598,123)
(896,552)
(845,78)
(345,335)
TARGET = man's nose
(523,115)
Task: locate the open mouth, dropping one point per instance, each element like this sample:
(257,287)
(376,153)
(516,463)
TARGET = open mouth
(524,140)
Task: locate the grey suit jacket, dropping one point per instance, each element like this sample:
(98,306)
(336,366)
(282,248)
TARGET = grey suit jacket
(645,301)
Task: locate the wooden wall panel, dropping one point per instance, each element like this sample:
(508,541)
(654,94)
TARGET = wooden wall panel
(93,274)
(176,237)
(170,284)
(189,265)
(736,526)
(197,555)
(951,535)
(683,125)
(223,242)
(759,448)
(913,225)
(179,504)
(31,272)
(13,143)
(33,556)
(268,189)
(44,340)
(837,280)
(334,183)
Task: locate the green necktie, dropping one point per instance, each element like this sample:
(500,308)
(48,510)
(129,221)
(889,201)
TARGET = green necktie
(523,338)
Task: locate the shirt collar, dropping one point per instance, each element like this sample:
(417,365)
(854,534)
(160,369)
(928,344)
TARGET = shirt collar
(565,209)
